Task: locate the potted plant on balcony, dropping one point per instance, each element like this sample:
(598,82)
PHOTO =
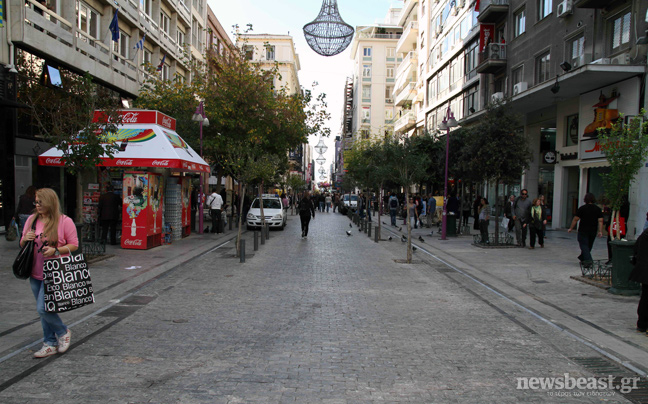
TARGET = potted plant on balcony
(626,149)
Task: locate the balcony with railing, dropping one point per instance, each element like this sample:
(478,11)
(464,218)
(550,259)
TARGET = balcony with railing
(408,40)
(406,121)
(492,59)
(373,35)
(407,93)
(409,62)
(493,11)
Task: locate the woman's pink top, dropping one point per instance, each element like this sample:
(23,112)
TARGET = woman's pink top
(67,234)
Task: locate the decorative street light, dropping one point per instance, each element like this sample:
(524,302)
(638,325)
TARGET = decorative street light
(199,116)
(447,123)
(321,148)
(328,34)
(321,170)
(320,160)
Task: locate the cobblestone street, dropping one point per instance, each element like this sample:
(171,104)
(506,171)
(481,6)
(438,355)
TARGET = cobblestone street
(328,319)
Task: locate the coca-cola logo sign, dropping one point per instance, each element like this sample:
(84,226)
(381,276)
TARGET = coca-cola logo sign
(160,163)
(50,160)
(130,117)
(133,242)
(128,162)
(166,122)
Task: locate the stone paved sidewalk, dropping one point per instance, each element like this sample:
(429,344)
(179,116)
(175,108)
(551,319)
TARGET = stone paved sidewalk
(327,319)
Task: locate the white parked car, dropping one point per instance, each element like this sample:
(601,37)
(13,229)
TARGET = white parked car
(273,209)
(350,201)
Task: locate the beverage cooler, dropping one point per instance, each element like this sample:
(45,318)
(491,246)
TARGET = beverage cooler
(185,183)
(142,210)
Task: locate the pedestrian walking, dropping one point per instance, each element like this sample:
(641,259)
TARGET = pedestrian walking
(640,274)
(431,211)
(109,209)
(54,234)
(328,201)
(306,208)
(215,203)
(25,207)
(508,213)
(476,205)
(520,209)
(484,213)
(393,208)
(413,212)
(537,219)
(590,216)
(465,210)
(336,201)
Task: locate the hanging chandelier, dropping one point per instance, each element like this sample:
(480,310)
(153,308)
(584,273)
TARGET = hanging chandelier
(321,148)
(320,160)
(328,34)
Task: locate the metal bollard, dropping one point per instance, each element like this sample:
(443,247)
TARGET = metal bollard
(267,231)
(377,234)
(262,236)
(256,240)
(369,230)
(365,224)
(242,254)
(231,221)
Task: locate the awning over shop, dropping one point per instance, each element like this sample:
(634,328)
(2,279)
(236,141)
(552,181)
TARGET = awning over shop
(146,139)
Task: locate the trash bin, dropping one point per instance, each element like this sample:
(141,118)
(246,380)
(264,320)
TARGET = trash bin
(621,269)
(451,225)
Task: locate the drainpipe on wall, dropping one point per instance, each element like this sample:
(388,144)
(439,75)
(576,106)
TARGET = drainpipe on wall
(10,66)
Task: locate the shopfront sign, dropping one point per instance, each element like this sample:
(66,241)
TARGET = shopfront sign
(590,149)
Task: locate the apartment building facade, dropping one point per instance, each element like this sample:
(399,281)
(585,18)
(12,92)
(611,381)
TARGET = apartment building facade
(75,36)
(373,51)
(568,67)
(560,65)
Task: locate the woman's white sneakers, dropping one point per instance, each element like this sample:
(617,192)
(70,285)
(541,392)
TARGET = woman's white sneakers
(45,351)
(49,350)
(64,341)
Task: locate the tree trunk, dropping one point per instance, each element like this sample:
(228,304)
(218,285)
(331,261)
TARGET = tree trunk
(240,221)
(409,227)
(497,184)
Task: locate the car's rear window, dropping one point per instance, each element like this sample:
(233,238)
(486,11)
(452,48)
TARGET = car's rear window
(267,204)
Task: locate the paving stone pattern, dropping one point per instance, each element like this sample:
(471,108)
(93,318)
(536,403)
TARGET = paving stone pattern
(328,319)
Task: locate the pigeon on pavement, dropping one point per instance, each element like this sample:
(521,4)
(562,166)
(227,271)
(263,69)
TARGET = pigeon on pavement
(400,229)
(421,239)
(350,225)
(389,238)
(348,232)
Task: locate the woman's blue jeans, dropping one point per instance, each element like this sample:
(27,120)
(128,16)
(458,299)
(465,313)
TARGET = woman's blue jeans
(52,324)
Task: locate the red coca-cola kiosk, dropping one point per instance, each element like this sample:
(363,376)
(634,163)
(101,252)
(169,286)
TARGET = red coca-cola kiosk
(147,140)
(142,210)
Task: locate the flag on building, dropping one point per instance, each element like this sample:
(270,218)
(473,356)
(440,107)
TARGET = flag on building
(161,65)
(140,43)
(114,27)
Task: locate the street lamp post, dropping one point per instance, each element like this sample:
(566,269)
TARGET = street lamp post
(447,123)
(199,116)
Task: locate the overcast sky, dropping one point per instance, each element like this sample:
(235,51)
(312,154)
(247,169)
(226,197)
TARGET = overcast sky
(288,17)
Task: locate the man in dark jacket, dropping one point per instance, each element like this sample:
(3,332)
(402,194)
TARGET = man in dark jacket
(109,208)
(306,208)
(640,274)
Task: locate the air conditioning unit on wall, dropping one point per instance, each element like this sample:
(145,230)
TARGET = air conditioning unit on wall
(497,97)
(564,8)
(520,87)
(622,59)
(582,60)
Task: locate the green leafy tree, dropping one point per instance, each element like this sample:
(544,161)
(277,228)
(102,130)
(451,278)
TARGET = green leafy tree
(497,150)
(626,149)
(63,115)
